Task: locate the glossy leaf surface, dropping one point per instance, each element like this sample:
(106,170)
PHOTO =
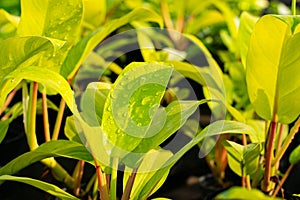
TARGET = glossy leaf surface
(133,104)
(273,68)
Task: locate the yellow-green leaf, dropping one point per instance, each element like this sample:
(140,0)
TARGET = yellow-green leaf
(273,68)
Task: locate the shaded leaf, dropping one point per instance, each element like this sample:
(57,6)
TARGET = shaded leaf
(295,155)
(3,129)
(243,160)
(62,148)
(47,187)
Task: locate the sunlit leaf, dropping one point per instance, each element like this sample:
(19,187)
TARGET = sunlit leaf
(8,24)
(55,19)
(273,68)
(41,75)
(51,18)
(133,104)
(243,194)
(92,102)
(72,131)
(152,161)
(87,44)
(59,148)
(47,187)
(94,12)
(247,22)
(216,128)
(23,51)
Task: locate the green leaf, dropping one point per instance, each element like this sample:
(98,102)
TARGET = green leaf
(216,128)
(243,160)
(212,76)
(23,51)
(8,24)
(51,18)
(87,44)
(177,114)
(56,19)
(92,102)
(62,148)
(43,76)
(133,104)
(3,129)
(152,161)
(72,131)
(47,187)
(272,68)
(247,22)
(94,12)
(295,155)
(243,194)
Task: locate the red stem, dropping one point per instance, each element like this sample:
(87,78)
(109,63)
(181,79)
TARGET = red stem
(102,185)
(268,156)
(8,100)
(129,185)
(45,117)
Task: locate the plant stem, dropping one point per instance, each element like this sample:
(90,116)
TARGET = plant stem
(113,182)
(59,118)
(221,155)
(45,117)
(89,184)
(102,185)
(129,185)
(268,156)
(31,117)
(287,141)
(8,100)
(287,173)
(78,173)
(294,7)
(180,18)
(166,15)
(279,142)
(30,121)
(59,172)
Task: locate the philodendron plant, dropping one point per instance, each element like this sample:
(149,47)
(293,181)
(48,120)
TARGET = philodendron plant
(122,123)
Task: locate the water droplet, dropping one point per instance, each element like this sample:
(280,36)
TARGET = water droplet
(146,100)
(10,57)
(12,80)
